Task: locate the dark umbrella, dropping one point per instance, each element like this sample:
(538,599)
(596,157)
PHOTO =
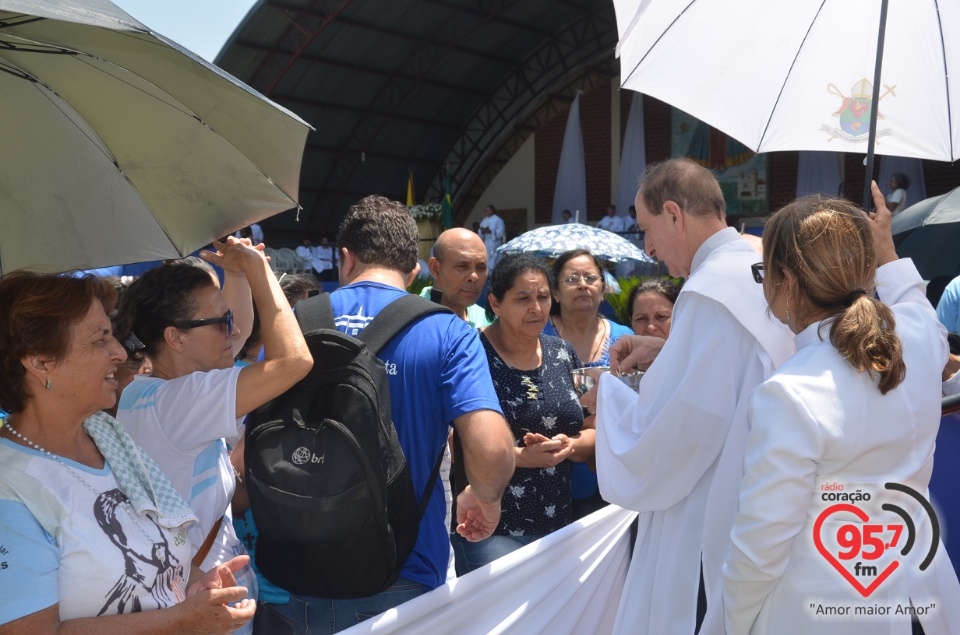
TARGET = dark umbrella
(929,233)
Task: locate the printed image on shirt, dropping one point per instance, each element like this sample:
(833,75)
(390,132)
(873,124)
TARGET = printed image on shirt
(156,574)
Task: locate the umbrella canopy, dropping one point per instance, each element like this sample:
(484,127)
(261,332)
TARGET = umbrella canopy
(120,146)
(798,75)
(553,240)
(929,232)
(936,210)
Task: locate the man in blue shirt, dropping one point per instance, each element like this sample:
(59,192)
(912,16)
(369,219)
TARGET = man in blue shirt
(438,375)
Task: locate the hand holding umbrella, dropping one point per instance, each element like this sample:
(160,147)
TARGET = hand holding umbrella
(880,225)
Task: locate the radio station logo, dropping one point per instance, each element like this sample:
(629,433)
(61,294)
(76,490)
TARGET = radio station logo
(868,552)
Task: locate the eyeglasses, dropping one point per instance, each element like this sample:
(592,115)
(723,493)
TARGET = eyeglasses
(589,280)
(757,270)
(193,324)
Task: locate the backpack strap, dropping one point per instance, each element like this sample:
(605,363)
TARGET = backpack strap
(425,499)
(315,313)
(392,319)
(395,317)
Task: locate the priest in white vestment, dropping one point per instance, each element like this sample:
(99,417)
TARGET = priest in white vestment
(493,231)
(675,451)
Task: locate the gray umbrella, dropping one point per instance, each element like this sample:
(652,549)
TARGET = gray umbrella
(929,233)
(120,146)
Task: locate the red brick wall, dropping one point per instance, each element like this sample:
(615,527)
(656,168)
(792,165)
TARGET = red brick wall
(625,99)
(853,173)
(547,145)
(940,177)
(781,178)
(656,129)
(595,109)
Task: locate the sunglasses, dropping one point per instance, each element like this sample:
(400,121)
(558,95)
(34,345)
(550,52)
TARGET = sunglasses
(757,270)
(193,324)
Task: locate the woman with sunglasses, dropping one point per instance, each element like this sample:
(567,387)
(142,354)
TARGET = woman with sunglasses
(196,398)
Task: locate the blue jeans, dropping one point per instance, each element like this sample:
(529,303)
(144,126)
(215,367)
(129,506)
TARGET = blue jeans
(305,614)
(473,555)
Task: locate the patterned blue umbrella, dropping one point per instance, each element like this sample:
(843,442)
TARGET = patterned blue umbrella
(553,240)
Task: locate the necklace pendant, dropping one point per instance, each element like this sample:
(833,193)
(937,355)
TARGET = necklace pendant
(533,391)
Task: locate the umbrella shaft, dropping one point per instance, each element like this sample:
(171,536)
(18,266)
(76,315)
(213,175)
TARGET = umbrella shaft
(872,139)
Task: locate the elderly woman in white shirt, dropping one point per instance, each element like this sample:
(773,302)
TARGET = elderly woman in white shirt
(857,407)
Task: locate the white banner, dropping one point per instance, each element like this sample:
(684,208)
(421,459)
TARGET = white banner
(570,191)
(568,582)
(633,160)
(819,173)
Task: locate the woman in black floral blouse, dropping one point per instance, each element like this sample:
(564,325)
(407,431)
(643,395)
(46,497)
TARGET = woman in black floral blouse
(531,374)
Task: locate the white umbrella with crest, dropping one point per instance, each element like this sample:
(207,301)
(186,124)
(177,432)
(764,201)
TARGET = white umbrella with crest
(803,75)
(120,146)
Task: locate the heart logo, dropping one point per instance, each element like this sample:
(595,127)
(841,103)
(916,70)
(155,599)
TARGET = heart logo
(862,515)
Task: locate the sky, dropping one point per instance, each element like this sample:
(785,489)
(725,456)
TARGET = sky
(202,26)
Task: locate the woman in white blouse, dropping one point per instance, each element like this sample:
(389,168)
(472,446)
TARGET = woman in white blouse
(857,406)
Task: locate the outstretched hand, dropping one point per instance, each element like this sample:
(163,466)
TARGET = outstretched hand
(880,221)
(219,577)
(215,604)
(542,451)
(216,611)
(476,519)
(631,351)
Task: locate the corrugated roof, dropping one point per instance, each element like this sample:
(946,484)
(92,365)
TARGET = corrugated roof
(399,85)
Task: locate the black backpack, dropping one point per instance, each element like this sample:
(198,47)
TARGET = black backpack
(329,487)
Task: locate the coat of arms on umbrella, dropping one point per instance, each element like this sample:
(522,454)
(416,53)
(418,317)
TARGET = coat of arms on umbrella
(854,112)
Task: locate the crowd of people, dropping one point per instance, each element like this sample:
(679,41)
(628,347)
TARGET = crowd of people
(121,462)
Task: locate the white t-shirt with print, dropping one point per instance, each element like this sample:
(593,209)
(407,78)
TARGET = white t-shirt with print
(182,424)
(81,546)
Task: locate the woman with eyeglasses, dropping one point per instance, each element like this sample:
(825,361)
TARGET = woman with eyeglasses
(577,291)
(856,409)
(194,403)
(93,537)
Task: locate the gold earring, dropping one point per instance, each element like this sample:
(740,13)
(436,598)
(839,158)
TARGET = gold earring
(788,311)
(49,384)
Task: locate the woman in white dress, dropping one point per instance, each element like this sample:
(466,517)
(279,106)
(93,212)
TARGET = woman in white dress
(897,201)
(857,407)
